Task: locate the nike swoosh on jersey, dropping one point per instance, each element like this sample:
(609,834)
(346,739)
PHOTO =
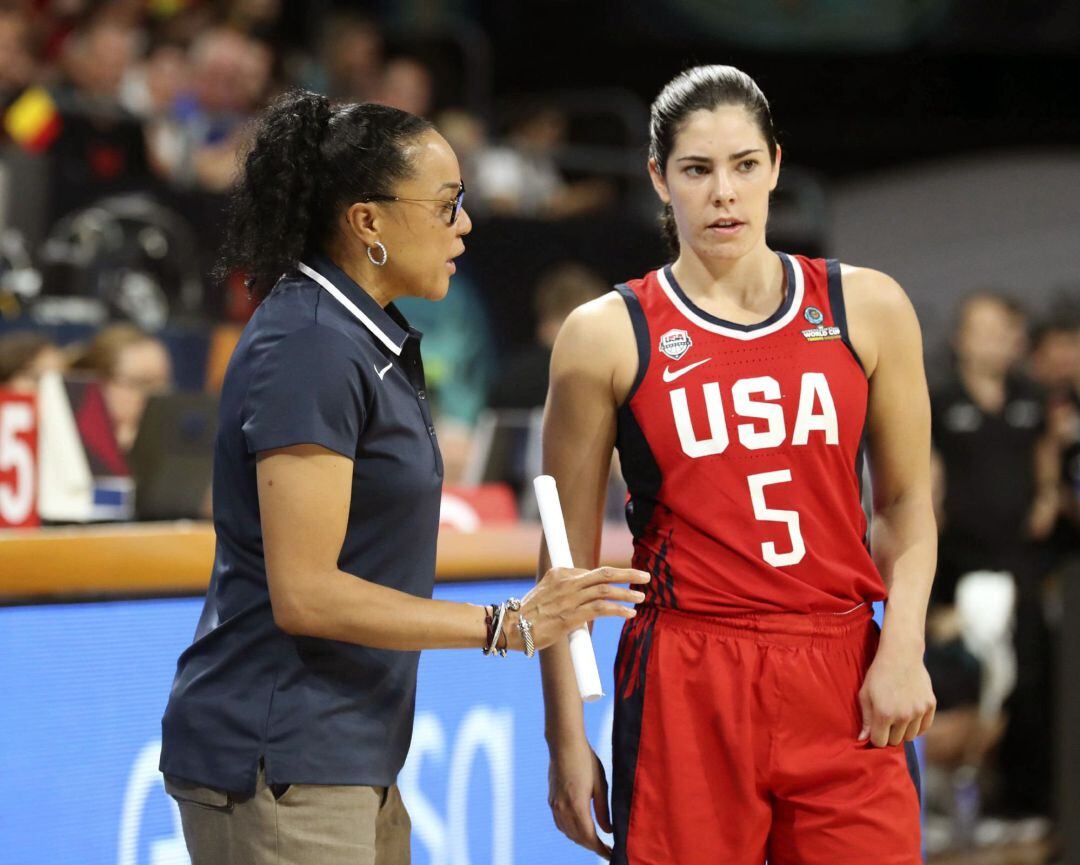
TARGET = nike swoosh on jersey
(671,376)
(381,372)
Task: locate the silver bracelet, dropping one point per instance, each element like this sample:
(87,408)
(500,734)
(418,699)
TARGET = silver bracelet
(526,636)
(514,605)
(496,632)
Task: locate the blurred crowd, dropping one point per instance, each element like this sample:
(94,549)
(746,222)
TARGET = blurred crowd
(125,122)
(102,100)
(467,379)
(124,126)
(1006,432)
(131,90)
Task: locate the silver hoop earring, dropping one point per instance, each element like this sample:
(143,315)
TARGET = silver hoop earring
(382,249)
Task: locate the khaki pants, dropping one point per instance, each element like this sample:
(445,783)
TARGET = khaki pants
(305,824)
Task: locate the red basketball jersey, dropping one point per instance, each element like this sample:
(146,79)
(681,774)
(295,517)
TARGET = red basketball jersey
(742,448)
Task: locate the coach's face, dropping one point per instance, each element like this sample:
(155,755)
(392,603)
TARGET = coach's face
(717,180)
(421,242)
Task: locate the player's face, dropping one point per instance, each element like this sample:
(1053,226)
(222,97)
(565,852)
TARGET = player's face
(717,180)
(421,243)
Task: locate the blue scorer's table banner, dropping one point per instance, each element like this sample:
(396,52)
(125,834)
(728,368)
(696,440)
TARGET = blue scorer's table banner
(82,689)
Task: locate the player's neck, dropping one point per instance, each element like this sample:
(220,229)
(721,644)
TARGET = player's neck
(751,283)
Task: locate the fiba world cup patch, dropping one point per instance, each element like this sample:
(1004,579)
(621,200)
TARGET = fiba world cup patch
(818,333)
(821,334)
(675,343)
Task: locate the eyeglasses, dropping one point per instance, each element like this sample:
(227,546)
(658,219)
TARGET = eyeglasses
(454,204)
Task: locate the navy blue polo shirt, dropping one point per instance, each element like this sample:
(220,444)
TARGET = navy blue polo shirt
(320,363)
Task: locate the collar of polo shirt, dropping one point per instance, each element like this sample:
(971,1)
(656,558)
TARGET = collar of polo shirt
(339,285)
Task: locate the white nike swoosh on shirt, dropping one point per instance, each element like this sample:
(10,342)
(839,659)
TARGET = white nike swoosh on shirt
(671,376)
(383,371)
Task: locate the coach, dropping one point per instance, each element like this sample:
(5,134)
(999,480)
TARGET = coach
(291,712)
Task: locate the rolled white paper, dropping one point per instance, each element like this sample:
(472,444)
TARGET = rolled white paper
(581,647)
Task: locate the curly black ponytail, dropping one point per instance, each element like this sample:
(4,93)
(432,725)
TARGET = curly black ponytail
(307,161)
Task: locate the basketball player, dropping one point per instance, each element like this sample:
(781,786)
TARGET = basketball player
(759,715)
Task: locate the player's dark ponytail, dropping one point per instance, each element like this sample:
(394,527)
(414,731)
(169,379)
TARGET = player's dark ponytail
(696,89)
(307,161)
(669,230)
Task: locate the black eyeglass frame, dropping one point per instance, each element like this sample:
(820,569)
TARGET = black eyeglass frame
(455,203)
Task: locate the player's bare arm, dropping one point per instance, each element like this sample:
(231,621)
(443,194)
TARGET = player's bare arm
(593,365)
(896,697)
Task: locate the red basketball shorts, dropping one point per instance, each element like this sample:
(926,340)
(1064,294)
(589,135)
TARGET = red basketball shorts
(735,742)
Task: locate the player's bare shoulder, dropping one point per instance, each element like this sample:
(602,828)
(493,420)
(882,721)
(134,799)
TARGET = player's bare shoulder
(878,312)
(597,341)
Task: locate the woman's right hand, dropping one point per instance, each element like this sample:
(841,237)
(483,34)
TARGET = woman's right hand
(567,598)
(576,780)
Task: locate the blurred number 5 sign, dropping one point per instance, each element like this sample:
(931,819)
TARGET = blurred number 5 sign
(18,460)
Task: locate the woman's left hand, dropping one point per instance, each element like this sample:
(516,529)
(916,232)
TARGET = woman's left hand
(897,700)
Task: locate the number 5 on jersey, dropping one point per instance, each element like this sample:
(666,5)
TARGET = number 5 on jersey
(762,511)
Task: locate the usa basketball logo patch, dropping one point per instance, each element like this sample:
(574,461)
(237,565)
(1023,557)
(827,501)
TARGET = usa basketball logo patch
(675,343)
(814,315)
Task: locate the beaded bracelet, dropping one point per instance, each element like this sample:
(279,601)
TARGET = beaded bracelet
(489,626)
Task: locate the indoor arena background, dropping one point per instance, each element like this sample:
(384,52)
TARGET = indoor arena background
(938,141)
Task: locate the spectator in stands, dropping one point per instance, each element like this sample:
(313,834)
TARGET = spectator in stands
(459,360)
(24,357)
(94,146)
(230,74)
(150,91)
(257,18)
(351,57)
(1055,365)
(522,178)
(1070,500)
(96,58)
(151,88)
(182,23)
(964,734)
(468,136)
(17,64)
(1054,361)
(133,366)
(524,379)
(407,84)
(987,423)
